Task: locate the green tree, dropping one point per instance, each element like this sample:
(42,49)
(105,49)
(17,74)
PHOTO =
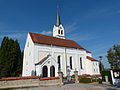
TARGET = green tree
(101,66)
(113,56)
(10,58)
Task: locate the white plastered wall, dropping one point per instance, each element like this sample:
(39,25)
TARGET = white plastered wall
(28,59)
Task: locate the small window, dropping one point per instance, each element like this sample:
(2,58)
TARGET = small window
(60,27)
(59,63)
(28,44)
(71,63)
(61,32)
(81,63)
(58,31)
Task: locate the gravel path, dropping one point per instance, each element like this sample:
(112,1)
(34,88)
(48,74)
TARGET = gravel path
(73,87)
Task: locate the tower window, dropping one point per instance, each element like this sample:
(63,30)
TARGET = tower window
(58,31)
(81,63)
(70,62)
(61,31)
(60,27)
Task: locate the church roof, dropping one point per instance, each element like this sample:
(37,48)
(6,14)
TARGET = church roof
(50,40)
(90,58)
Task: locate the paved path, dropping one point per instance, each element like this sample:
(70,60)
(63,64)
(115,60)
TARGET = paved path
(73,87)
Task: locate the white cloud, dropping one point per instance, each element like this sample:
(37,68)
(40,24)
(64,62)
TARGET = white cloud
(77,36)
(46,32)
(71,27)
(81,37)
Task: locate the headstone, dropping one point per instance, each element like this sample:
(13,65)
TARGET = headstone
(106,79)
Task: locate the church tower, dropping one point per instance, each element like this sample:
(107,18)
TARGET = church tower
(58,29)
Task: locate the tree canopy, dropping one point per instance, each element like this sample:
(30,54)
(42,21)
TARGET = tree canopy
(113,56)
(10,58)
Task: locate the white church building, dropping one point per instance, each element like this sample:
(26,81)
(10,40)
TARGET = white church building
(47,55)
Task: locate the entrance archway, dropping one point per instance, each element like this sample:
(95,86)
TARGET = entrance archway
(52,71)
(45,71)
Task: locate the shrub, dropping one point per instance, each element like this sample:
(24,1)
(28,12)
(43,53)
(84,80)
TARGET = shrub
(100,81)
(64,77)
(85,80)
(106,73)
(94,80)
(73,76)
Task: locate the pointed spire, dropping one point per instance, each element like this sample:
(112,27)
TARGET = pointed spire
(58,19)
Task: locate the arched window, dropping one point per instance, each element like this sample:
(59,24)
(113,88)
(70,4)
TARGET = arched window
(81,63)
(45,71)
(70,62)
(58,31)
(59,66)
(61,31)
(52,71)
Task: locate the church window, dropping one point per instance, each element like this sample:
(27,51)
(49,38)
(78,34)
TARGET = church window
(70,62)
(52,71)
(81,63)
(60,27)
(45,71)
(28,44)
(59,66)
(58,31)
(61,31)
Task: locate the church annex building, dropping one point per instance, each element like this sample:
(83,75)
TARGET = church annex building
(46,55)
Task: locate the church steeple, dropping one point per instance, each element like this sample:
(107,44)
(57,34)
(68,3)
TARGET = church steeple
(58,29)
(58,19)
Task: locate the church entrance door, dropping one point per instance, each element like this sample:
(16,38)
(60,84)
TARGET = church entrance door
(52,71)
(45,71)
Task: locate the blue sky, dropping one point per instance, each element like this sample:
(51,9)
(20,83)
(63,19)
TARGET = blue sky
(94,24)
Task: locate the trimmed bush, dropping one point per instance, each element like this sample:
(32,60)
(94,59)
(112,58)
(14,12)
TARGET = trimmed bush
(85,80)
(94,80)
